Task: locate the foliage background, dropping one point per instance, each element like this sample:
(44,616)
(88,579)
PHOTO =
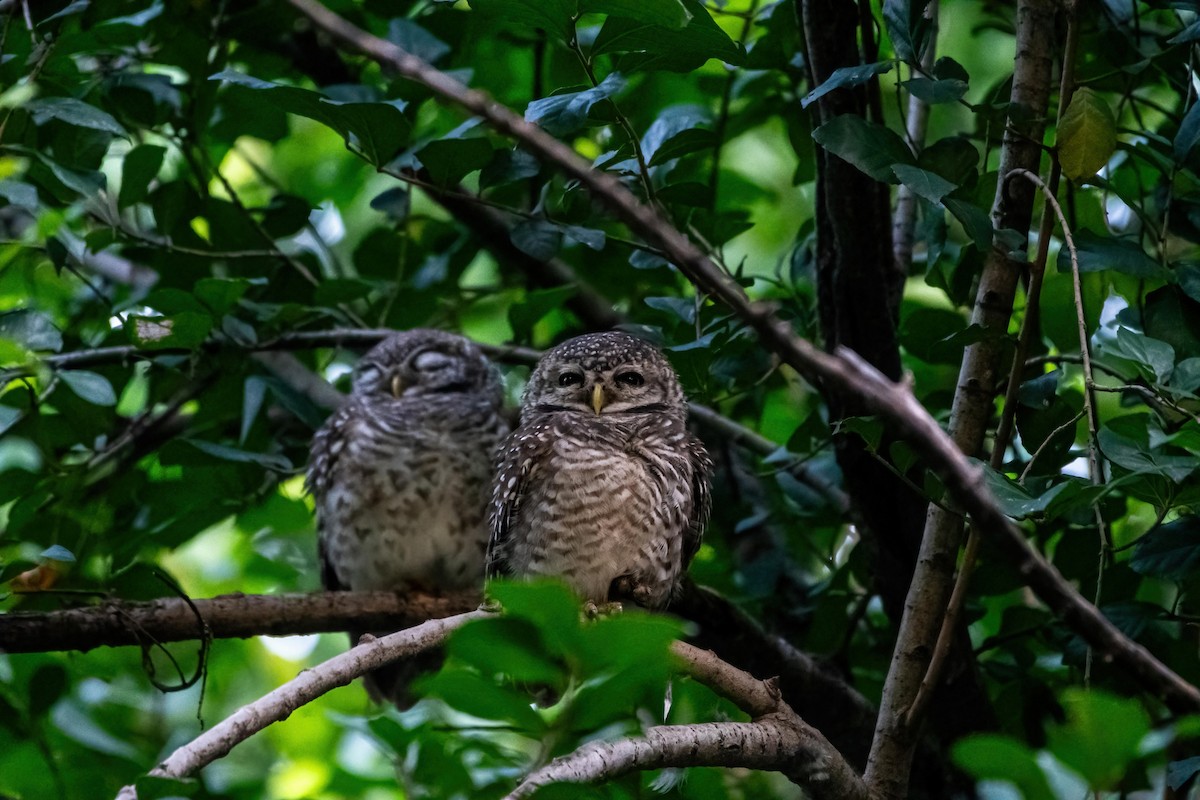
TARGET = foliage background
(199,178)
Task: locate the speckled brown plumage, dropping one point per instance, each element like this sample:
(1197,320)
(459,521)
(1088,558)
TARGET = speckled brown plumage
(601,484)
(401,475)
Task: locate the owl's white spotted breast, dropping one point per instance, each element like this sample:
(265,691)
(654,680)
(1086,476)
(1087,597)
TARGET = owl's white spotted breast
(593,500)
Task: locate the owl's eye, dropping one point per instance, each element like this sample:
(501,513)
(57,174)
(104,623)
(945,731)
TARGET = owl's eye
(431,360)
(630,378)
(570,379)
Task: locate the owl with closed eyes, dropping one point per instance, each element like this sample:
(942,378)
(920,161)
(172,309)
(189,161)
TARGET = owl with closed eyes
(402,475)
(601,484)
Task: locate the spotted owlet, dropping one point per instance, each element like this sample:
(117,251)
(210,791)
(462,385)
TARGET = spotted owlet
(601,484)
(402,473)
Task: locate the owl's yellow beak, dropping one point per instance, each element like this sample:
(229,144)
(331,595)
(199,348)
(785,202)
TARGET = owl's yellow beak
(598,397)
(397,386)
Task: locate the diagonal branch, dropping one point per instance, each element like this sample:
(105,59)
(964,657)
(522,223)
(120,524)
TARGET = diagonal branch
(310,684)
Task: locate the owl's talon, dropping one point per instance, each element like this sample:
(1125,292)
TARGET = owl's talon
(593,610)
(491,605)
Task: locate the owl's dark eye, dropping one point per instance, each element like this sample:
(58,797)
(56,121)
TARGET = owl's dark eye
(630,378)
(570,379)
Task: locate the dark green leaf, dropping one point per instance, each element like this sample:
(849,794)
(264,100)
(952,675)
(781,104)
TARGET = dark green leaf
(89,386)
(566,113)
(1169,551)
(897,18)
(537,304)
(664,13)
(31,329)
(1158,357)
(1189,133)
(659,47)
(539,238)
(1097,253)
(1137,456)
(141,166)
(450,160)
(844,77)
(975,221)
(687,141)
(73,112)
(412,38)
(552,16)
(548,604)
(269,461)
(869,146)
(934,92)
(1013,499)
(923,183)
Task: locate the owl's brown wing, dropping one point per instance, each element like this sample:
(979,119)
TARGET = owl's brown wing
(327,446)
(702,467)
(518,458)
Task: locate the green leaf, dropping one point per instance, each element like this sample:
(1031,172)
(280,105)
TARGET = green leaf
(220,295)
(536,305)
(687,141)
(975,221)
(992,756)
(506,646)
(1170,551)
(377,129)
(1013,499)
(31,329)
(934,92)
(844,77)
(923,183)
(473,694)
(141,166)
(185,330)
(1101,736)
(1098,253)
(271,461)
(562,114)
(664,13)
(73,112)
(653,47)
(1188,134)
(450,160)
(552,16)
(898,19)
(1158,357)
(871,147)
(19,193)
(539,238)
(1087,135)
(89,386)
(19,453)
(1136,455)
(552,607)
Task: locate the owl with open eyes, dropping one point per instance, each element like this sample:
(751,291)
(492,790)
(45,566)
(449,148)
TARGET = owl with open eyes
(601,484)
(402,475)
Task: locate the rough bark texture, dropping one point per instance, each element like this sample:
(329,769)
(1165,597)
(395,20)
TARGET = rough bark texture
(858,290)
(771,743)
(980,378)
(232,616)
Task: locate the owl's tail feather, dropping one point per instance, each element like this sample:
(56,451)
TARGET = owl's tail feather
(393,683)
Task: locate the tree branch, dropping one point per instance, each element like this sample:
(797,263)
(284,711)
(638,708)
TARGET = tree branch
(304,688)
(116,623)
(771,743)
(777,739)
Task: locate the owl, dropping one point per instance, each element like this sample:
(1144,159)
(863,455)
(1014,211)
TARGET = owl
(402,473)
(601,484)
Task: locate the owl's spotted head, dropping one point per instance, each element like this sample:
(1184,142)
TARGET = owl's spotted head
(425,362)
(601,374)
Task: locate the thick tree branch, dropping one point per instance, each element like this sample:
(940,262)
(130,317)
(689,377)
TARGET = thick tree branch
(771,743)
(116,623)
(980,378)
(777,739)
(842,371)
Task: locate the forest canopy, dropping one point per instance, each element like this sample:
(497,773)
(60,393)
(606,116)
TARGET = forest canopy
(929,273)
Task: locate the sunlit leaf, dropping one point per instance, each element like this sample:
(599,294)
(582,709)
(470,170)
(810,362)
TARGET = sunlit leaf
(1087,135)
